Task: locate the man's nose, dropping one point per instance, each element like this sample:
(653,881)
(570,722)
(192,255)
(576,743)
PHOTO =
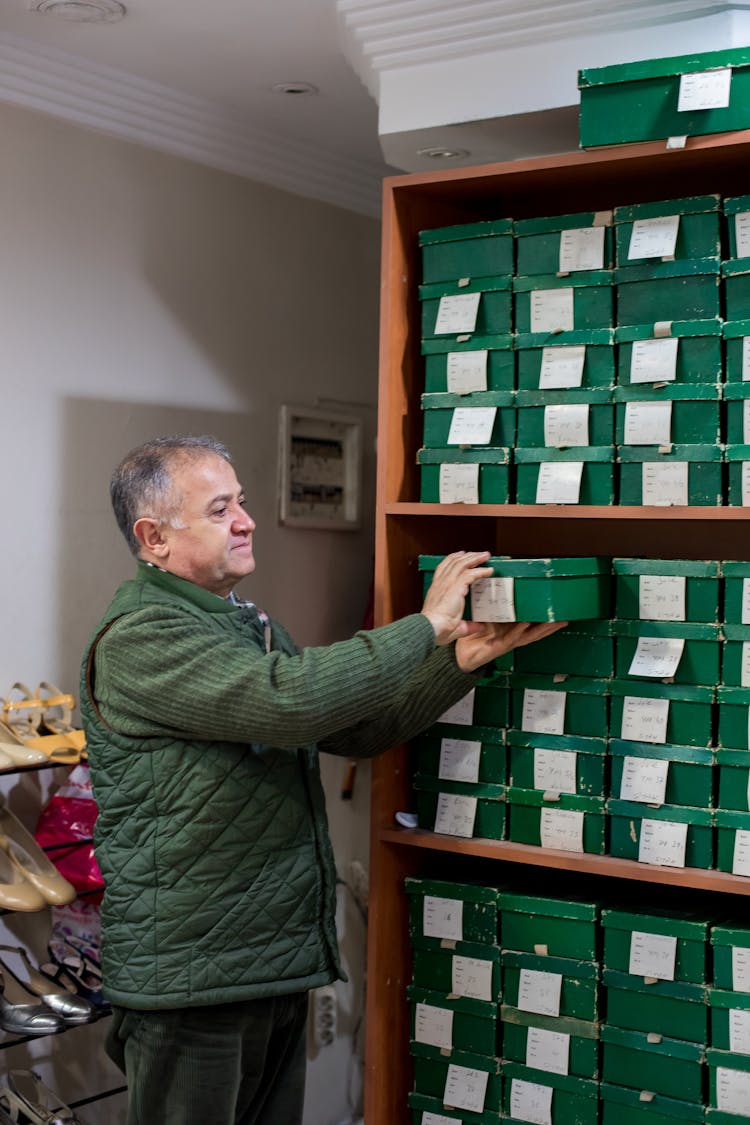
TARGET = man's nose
(243,520)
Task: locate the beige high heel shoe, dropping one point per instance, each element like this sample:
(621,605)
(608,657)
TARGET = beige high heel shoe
(31,862)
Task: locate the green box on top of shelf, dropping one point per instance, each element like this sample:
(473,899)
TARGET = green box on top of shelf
(623,1106)
(482,363)
(666,590)
(551,244)
(736,334)
(459,1081)
(555,927)
(670,475)
(656,946)
(672,1067)
(676,1009)
(550,705)
(524,1034)
(657,294)
(447,476)
(685,652)
(684,773)
(730,942)
(459,808)
(737,211)
(483,249)
(733,841)
(460,753)
(550,304)
(564,418)
(443,1023)
(563,821)
(673,229)
(559,763)
(466,968)
(680,714)
(570,1100)
(687,351)
(667,836)
(686,414)
(443,910)
(549,361)
(578,475)
(737,458)
(653,99)
(452,310)
(484,418)
(583,648)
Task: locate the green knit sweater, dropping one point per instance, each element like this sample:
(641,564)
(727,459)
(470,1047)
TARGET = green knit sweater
(212,834)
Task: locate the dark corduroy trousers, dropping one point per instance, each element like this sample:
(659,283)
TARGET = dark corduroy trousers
(232,1064)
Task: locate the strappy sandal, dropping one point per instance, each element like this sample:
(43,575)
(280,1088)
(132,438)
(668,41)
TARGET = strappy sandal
(57,715)
(24,717)
(31,1097)
(72,967)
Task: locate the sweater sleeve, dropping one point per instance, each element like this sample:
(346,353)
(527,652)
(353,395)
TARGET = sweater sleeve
(160,673)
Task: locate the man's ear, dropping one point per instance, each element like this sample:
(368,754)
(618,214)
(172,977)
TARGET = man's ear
(149,534)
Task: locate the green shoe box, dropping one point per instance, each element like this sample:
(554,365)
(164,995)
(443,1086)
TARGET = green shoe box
(431,1111)
(674,475)
(639,101)
(628,820)
(734,713)
(597,485)
(482,363)
(694,410)
(735,657)
(624,1106)
(689,712)
(524,1035)
(680,943)
(444,911)
(490,486)
(735,275)
(698,234)
(448,311)
(465,1081)
(737,458)
(731,949)
(465,969)
(566,928)
(690,771)
(550,705)
(666,590)
(583,648)
(730,1020)
(467,250)
(562,763)
(574,1101)
(441,1023)
(675,1009)
(736,572)
(671,1067)
(553,244)
(559,589)
(567,987)
(462,753)
(552,304)
(733,841)
(694,356)
(737,211)
(737,396)
(734,779)
(547,418)
(584,358)
(701,651)
(728,1087)
(561,821)
(463,809)
(654,294)
(492,701)
(736,351)
(438,418)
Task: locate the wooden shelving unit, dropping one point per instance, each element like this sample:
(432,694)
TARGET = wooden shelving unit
(596,180)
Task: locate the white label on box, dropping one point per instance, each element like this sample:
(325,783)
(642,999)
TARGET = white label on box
(531,1102)
(746,421)
(466,372)
(661,597)
(741,968)
(652,955)
(457,313)
(561,829)
(429,1118)
(559,482)
(746,601)
(746,484)
(733,1091)
(582,249)
(746,349)
(644,779)
(662,842)
(742,238)
(459,759)
(543,711)
(664,484)
(648,423)
(547,1050)
(492,599)
(471,977)
(455,814)
(552,310)
(434,1026)
(555,770)
(739,1031)
(472,425)
(741,857)
(562,367)
(706,89)
(644,720)
(657,656)
(539,992)
(654,361)
(443,918)
(566,425)
(462,712)
(465,1088)
(654,238)
(459,484)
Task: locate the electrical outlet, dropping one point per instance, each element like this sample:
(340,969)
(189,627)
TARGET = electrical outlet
(324,1015)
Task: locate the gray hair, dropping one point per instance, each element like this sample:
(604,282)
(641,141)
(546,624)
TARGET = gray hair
(141,485)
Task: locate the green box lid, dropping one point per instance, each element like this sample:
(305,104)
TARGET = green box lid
(568,395)
(680,814)
(505,566)
(734,328)
(676,924)
(674,989)
(465,230)
(594,453)
(441,346)
(735,632)
(686,693)
(670,392)
(730,934)
(453,454)
(581,685)
(692,205)
(565,966)
(447,400)
(428,1104)
(485,1009)
(535,798)
(458,1058)
(442,888)
(735,204)
(689,630)
(543,224)
(726,756)
(732,818)
(576,336)
(734,696)
(666,1107)
(695,755)
(659,271)
(640,1041)
(737,452)
(582,1087)
(486,790)
(578,743)
(575,909)
(737,391)
(735,267)
(710,327)
(687,567)
(579,279)
(726,998)
(735,568)
(632,453)
(717,1057)
(436,289)
(568,1025)
(664,67)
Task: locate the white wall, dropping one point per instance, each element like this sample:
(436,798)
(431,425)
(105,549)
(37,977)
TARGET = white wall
(142,294)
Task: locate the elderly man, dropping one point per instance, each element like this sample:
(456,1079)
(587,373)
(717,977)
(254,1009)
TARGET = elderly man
(204,723)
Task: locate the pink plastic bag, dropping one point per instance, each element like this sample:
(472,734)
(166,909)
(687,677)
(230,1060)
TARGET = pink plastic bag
(65,829)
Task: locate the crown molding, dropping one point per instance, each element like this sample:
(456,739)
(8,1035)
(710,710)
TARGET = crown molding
(115,102)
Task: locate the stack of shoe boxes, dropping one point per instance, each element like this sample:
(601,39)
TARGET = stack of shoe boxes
(733,754)
(729,1053)
(736,275)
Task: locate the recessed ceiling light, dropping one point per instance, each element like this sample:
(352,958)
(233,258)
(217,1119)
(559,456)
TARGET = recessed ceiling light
(444,153)
(80,11)
(295,88)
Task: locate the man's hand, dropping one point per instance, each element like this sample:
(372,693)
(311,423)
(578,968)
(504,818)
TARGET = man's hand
(446,597)
(498,637)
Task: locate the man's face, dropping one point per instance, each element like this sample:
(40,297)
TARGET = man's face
(214,545)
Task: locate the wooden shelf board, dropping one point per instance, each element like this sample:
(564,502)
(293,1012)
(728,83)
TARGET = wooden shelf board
(574,512)
(508,852)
